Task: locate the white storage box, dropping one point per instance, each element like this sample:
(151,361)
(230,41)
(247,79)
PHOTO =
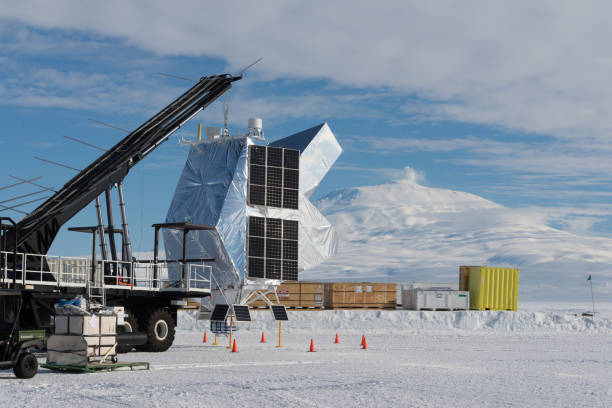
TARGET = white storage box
(417,299)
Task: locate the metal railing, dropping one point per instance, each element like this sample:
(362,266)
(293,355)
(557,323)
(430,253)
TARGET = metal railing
(34,269)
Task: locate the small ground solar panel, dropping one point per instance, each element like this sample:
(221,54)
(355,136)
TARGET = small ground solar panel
(242,313)
(290,229)
(275,156)
(292,159)
(219,313)
(257,155)
(279,312)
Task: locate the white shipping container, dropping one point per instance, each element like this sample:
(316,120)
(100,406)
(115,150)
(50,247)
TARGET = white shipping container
(417,299)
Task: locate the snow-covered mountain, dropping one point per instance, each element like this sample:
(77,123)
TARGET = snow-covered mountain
(403,231)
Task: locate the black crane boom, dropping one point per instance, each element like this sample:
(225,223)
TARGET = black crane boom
(36,231)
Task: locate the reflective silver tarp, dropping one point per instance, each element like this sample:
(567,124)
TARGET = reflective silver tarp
(212,190)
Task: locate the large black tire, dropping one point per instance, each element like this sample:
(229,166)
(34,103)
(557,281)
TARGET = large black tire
(131,325)
(27,366)
(159,327)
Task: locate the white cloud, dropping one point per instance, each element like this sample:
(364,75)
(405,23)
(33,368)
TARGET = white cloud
(538,67)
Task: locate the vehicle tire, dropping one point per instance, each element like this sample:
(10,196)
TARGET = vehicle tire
(159,327)
(130,326)
(27,366)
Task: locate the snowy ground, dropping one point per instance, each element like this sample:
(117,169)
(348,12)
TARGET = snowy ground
(539,359)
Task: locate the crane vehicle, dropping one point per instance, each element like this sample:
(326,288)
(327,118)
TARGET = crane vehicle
(150,300)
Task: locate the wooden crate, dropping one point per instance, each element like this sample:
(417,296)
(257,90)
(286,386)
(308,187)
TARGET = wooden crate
(347,295)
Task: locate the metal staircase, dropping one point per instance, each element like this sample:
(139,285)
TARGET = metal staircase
(96,294)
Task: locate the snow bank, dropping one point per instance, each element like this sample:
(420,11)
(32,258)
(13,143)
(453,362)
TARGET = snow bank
(386,321)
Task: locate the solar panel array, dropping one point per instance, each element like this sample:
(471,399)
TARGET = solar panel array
(272,248)
(242,313)
(279,312)
(219,313)
(274,175)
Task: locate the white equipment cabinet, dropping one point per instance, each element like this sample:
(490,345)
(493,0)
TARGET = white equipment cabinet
(433,299)
(81,339)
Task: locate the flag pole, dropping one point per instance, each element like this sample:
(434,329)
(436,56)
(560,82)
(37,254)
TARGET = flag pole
(592,298)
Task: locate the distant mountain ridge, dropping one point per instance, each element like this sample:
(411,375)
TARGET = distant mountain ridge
(403,231)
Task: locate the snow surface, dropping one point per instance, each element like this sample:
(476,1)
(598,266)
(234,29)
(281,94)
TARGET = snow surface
(423,359)
(403,231)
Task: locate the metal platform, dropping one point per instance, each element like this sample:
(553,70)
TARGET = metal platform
(66,272)
(95,367)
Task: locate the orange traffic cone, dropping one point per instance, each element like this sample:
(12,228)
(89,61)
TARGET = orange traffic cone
(364,343)
(312,349)
(205,339)
(263,337)
(337,340)
(234,347)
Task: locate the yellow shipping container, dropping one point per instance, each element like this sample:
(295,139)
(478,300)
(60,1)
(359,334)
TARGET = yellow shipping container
(491,288)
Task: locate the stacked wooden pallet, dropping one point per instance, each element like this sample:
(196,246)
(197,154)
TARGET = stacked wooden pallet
(296,295)
(360,295)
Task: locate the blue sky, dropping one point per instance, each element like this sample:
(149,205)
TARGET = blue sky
(510,102)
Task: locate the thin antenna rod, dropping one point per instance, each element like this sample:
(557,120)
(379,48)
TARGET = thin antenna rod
(3,208)
(176,77)
(249,66)
(34,184)
(19,205)
(56,163)
(22,196)
(108,125)
(85,143)
(22,182)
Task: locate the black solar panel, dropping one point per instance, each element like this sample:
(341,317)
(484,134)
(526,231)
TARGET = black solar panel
(274,228)
(257,226)
(292,179)
(275,156)
(258,155)
(290,229)
(219,313)
(242,313)
(258,175)
(256,267)
(292,159)
(273,248)
(275,177)
(273,268)
(256,247)
(290,270)
(257,195)
(275,255)
(279,312)
(273,197)
(290,199)
(290,250)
